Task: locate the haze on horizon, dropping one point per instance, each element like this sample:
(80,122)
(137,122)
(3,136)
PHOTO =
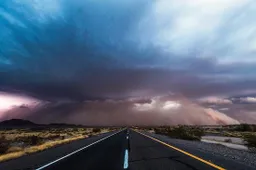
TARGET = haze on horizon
(130,62)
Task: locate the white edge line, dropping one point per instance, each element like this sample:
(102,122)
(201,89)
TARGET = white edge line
(74,152)
(126,159)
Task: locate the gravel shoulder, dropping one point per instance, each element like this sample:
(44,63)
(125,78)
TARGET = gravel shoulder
(215,153)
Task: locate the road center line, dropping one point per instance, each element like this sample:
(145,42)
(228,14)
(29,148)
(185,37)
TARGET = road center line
(74,152)
(126,159)
(184,152)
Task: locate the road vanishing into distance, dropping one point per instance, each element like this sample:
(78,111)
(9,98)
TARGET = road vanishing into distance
(125,149)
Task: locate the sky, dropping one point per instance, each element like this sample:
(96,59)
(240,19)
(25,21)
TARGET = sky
(200,54)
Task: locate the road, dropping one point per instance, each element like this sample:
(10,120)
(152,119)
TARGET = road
(124,149)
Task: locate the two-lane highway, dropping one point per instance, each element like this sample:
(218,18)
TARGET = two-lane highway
(128,149)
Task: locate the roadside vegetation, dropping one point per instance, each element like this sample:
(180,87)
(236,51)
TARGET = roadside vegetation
(18,142)
(250,139)
(246,132)
(181,132)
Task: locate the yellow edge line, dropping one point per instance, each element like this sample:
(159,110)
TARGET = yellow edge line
(184,152)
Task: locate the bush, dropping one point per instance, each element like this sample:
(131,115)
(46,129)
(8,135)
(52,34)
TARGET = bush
(246,128)
(4,145)
(96,130)
(162,130)
(53,137)
(34,140)
(30,140)
(181,132)
(250,139)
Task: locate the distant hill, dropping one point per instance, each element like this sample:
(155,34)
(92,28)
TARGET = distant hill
(16,123)
(21,123)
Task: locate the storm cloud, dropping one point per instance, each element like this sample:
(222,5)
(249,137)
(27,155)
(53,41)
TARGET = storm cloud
(63,50)
(80,49)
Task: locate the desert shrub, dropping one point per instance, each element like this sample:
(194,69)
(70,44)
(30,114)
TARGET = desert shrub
(34,140)
(250,139)
(246,128)
(30,140)
(70,134)
(96,130)
(181,132)
(85,133)
(162,130)
(4,145)
(53,137)
(76,129)
(197,132)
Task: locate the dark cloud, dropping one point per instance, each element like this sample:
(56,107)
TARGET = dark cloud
(119,83)
(82,50)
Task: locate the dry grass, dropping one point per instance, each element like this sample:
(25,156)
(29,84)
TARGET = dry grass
(51,144)
(14,149)
(26,141)
(11,155)
(18,151)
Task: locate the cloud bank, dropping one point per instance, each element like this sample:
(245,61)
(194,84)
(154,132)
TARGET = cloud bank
(79,50)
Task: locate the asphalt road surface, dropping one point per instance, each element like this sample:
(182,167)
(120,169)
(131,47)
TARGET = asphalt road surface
(124,149)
